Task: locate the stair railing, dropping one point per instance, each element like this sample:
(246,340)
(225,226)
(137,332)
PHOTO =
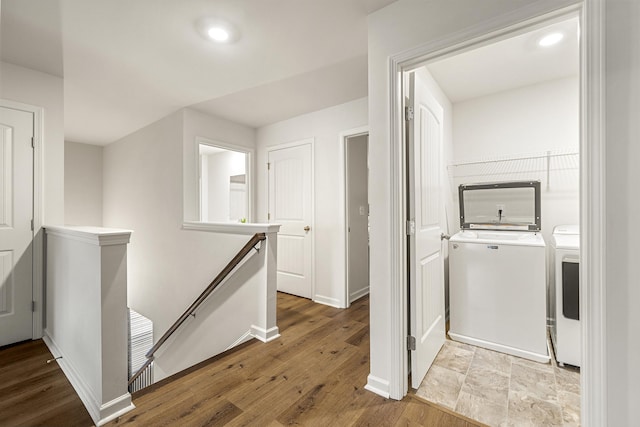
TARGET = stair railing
(246,249)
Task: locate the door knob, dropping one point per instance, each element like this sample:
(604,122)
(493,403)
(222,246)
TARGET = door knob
(444,236)
(307,228)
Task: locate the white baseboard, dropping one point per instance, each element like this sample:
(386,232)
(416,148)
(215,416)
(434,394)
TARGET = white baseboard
(536,357)
(378,386)
(115,408)
(265,335)
(243,338)
(100,413)
(332,302)
(358,294)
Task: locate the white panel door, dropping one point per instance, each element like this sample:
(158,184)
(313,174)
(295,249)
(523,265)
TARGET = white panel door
(426,276)
(16,212)
(290,205)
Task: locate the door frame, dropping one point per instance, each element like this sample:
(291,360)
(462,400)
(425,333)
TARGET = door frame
(592,188)
(38,213)
(362,130)
(285,145)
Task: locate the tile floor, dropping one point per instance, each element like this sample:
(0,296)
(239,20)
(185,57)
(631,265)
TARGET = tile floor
(502,390)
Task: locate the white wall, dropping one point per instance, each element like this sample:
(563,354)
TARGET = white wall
(42,90)
(622,247)
(82,184)
(220,168)
(204,188)
(527,121)
(329,228)
(218,187)
(168,266)
(404,25)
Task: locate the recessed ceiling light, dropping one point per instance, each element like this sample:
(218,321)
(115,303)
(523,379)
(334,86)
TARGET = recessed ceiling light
(218,30)
(218,34)
(550,39)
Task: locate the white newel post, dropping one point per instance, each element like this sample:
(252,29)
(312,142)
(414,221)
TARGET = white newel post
(86,288)
(267,330)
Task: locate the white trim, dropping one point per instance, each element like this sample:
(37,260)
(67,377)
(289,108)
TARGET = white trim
(250,152)
(289,144)
(342,196)
(498,28)
(92,235)
(378,386)
(593,219)
(399,358)
(357,295)
(231,227)
(38,212)
(115,408)
(297,143)
(536,357)
(100,413)
(243,338)
(265,335)
(332,302)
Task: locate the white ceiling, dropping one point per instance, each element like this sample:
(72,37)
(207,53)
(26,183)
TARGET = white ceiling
(127,63)
(306,92)
(509,64)
(30,35)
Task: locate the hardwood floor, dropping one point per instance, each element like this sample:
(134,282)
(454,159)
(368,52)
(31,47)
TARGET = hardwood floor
(34,392)
(314,374)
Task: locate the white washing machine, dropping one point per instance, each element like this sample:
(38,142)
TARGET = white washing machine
(564,294)
(497,271)
(497,292)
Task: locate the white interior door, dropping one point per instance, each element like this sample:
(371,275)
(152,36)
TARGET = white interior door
(426,276)
(16,236)
(290,205)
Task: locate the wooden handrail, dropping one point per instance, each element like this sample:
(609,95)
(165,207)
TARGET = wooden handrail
(257,238)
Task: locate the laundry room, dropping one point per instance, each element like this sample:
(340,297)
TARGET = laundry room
(509,117)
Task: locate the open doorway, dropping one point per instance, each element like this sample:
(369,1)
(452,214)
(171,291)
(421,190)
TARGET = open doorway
(511,113)
(224,182)
(356,147)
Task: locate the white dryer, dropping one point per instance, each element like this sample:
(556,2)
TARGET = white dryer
(564,294)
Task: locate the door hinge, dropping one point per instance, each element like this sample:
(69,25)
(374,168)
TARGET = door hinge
(411,227)
(408,113)
(268,216)
(268,166)
(31,224)
(411,343)
(33,306)
(33,142)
